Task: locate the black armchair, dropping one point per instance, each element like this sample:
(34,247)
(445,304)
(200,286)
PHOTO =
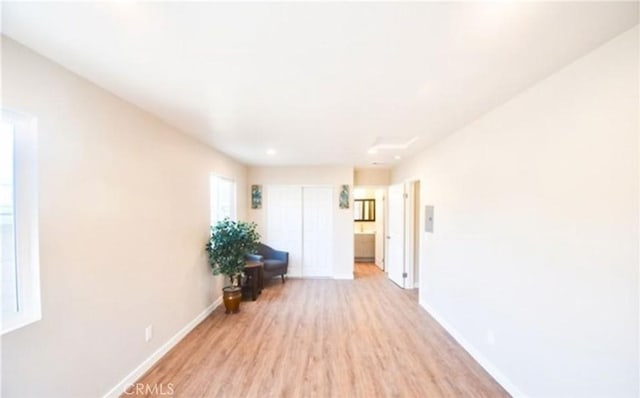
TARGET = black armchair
(276,262)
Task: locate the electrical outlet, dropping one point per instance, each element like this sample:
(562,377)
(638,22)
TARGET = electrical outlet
(148,333)
(491,338)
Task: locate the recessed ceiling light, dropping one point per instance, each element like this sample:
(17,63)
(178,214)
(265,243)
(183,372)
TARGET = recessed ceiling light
(372,151)
(397,157)
(271,152)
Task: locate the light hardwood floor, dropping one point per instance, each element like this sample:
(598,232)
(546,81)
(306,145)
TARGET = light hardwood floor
(323,338)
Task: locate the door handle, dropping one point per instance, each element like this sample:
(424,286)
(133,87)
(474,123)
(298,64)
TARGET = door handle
(388,237)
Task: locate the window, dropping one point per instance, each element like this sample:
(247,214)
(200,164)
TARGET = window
(223,199)
(20,274)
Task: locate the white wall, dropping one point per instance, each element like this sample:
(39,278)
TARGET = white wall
(310,176)
(536,230)
(124,216)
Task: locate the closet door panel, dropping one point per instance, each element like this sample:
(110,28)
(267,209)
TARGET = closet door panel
(284,223)
(317,232)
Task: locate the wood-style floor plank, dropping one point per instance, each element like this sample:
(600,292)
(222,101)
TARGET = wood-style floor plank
(322,338)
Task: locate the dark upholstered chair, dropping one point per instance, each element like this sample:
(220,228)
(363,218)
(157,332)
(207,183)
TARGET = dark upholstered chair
(276,262)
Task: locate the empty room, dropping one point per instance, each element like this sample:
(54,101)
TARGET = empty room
(320,199)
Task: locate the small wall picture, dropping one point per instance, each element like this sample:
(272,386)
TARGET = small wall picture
(344,197)
(256,196)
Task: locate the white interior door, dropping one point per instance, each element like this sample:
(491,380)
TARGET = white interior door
(317,228)
(395,238)
(284,223)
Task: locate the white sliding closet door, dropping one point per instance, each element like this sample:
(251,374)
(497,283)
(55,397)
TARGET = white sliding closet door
(284,223)
(317,232)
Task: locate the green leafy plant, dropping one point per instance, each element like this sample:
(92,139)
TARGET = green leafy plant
(228,245)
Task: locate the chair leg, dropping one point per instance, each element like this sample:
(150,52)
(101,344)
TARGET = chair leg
(282,276)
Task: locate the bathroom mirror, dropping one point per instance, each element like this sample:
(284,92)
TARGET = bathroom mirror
(364,210)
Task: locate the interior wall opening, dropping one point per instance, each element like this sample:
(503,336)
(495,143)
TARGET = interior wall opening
(369,226)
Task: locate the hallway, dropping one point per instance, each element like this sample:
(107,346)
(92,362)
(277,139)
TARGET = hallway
(324,338)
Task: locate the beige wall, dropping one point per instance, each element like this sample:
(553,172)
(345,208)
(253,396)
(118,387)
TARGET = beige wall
(534,260)
(364,193)
(371,177)
(124,216)
(309,176)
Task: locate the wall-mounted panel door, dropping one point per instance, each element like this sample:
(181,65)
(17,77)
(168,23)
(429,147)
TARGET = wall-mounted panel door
(317,230)
(284,223)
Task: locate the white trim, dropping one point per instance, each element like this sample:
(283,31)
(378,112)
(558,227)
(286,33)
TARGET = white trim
(409,234)
(481,359)
(343,276)
(638,221)
(138,372)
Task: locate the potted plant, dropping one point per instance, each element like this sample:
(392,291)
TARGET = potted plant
(228,245)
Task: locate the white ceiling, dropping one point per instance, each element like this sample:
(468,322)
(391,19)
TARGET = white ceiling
(318,82)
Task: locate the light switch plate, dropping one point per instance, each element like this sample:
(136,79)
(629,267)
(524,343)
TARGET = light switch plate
(428,218)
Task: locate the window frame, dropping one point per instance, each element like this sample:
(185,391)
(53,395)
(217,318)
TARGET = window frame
(214,205)
(361,206)
(27,252)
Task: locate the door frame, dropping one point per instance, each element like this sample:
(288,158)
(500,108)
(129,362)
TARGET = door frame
(412,224)
(383,233)
(412,232)
(383,208)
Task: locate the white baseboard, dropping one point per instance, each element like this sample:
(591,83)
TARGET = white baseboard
(481,359)
(131,378)
(343,276)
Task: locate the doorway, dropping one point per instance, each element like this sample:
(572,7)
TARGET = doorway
(369,226)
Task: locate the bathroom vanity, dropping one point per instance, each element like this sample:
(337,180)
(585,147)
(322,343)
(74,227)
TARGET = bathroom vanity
(365,247)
